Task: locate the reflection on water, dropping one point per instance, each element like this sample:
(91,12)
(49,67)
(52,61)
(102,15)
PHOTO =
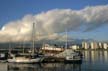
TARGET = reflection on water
(3,67)
(44,67)
(96,56)
(92,61)
(95,61)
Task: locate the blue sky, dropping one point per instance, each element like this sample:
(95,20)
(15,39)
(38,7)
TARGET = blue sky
(11,10)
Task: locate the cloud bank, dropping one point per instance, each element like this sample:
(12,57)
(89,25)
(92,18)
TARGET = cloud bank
(52,22)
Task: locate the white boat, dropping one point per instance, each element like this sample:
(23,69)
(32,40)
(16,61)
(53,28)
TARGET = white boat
(26,57)
(74,57)
(70,55)
(3,57)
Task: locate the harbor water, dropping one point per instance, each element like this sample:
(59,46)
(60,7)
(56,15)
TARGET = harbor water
(92,61)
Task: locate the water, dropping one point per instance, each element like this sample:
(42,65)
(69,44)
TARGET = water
(92,61)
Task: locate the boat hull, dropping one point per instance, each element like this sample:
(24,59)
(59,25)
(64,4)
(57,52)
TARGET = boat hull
(37,60)
(73,61)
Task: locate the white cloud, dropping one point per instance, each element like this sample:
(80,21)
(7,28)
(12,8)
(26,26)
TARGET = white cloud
(55,21)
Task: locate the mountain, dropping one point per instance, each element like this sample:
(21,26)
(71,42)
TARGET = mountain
(41,42)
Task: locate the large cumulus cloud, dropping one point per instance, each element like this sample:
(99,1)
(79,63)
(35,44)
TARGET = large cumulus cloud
(52,22)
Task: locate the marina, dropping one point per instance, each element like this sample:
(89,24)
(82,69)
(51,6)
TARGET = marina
(92,61)
(46,53)
(53,35)
(67,55)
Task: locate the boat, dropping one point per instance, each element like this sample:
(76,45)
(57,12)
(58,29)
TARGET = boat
(70,55)
(3,57)
(24,58)
(51,50)
(75,57)
(31,57)
(55,54)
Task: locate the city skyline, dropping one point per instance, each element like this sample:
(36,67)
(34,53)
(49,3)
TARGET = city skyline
(83,19)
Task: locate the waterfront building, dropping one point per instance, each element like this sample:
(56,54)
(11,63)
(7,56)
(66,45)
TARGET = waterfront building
(74,47)
(85,45)
(94,45)
(105,45)
(100,45)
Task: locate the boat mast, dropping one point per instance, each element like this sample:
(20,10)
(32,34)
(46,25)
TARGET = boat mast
(66,39)
(9,47)
(33,38)
(23,47)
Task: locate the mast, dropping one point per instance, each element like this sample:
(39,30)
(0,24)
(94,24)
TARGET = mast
(23,47)
(9,47)
(33,38)
(66,39)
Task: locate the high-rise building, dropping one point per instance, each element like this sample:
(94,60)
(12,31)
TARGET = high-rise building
(100,45)
(85,45)
(94,45)
(105,45)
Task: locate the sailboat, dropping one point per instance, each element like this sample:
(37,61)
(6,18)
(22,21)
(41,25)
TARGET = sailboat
(69,55)
(26,57)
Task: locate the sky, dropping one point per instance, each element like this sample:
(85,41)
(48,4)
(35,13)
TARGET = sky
(14,11)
